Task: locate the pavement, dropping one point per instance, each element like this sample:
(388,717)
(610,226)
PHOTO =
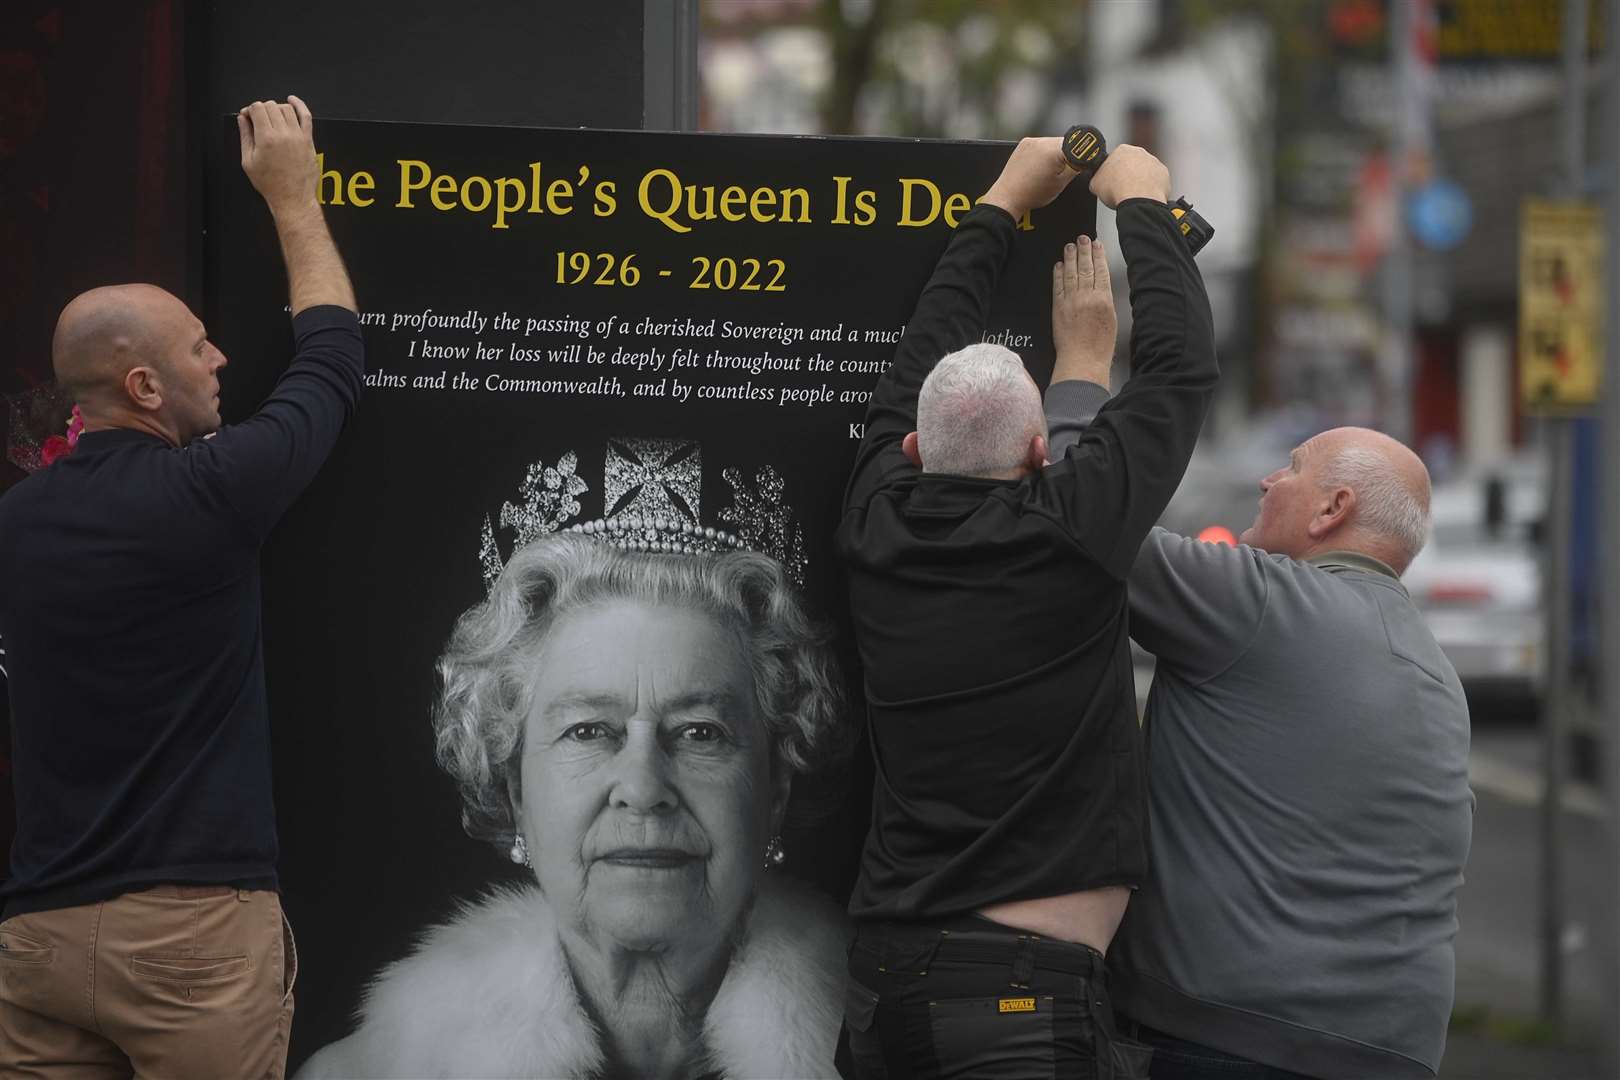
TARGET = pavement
(1472,1056)
(1497,1030)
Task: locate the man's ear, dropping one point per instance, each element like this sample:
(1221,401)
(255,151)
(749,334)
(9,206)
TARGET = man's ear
(143,388)
(1341,501)
(1035,456)
(908,447)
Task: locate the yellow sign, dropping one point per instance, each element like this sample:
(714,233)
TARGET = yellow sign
(1561,306)
(1509,29)
(1017,1004)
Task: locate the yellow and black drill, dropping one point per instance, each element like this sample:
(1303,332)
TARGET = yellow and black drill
(1085,151)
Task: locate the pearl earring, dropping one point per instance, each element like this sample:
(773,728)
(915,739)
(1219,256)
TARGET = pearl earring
(775,853)
(520,851)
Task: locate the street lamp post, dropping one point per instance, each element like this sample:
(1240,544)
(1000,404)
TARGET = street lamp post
(1609,475)
(1412,147)
(1559,434)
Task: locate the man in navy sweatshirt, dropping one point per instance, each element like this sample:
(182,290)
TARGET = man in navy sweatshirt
(142,929)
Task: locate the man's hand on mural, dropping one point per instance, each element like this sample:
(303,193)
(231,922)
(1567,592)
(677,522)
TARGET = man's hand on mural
(278,155)
(278,152)
(1130,173)
(1084,325)
(1034,175)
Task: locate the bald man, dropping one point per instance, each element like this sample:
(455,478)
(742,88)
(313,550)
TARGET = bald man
(1308,778)
(142,930)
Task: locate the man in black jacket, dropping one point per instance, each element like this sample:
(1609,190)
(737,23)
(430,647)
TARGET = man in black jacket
(988,596)
(143,933)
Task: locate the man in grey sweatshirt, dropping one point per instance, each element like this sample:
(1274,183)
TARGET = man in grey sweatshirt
(1308,780)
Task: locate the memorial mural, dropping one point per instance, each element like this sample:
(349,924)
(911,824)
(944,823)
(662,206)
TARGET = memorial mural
(563,700)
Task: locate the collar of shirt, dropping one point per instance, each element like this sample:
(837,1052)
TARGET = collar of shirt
(1337,561)
(95,442)
(947,493)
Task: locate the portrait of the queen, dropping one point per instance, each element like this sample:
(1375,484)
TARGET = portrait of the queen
(624,716)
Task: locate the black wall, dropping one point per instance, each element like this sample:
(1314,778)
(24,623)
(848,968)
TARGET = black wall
(469,62)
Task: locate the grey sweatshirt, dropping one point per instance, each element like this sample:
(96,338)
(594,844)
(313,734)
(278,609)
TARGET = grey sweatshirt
(1308,783)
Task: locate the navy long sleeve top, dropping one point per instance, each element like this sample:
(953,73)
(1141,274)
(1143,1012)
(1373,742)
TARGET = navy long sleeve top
(129,608)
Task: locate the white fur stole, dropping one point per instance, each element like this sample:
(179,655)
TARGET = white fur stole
(489,995)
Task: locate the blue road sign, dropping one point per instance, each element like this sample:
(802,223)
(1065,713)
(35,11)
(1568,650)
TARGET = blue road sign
(1440,214)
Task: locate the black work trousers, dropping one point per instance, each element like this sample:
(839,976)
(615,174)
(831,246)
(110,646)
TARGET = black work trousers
(969,997)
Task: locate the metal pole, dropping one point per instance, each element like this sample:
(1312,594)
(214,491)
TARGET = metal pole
(1560,440)
(1412,148)
(1396,356)
(687,90)
(1556,582)
(1609,472)
(669,41)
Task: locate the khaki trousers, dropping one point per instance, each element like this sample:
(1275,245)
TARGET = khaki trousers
(171,983)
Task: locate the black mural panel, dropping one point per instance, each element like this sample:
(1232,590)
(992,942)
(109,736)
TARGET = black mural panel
(660,341)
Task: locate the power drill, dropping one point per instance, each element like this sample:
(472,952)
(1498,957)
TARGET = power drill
(1085,151)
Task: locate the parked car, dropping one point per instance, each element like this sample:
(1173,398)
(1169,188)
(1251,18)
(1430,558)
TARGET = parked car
(1478,580)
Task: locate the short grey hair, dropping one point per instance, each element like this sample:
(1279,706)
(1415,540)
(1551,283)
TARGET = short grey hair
(1385,505)
(486,672)
(977,412)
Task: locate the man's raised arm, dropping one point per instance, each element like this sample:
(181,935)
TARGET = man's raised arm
(954,306)
(1115,480)
(262,464)
(1194,606)
(278,155)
